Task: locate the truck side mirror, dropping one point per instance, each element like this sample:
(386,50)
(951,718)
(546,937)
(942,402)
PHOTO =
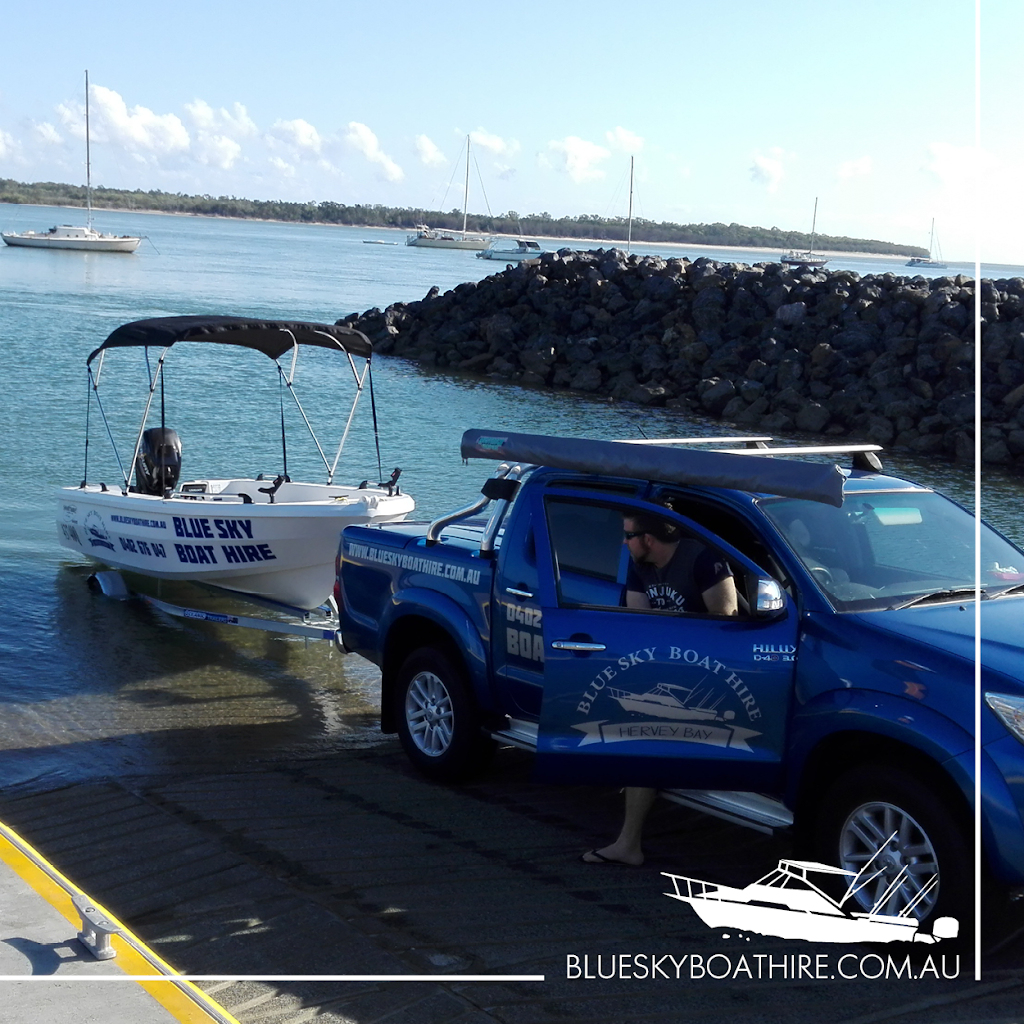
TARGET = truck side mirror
(770,598)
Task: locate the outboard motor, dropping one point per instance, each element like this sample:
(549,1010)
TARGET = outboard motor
(158,465)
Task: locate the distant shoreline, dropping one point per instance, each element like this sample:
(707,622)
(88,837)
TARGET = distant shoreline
(603,242)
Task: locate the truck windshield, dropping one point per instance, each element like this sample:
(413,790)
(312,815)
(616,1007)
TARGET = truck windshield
(891,549)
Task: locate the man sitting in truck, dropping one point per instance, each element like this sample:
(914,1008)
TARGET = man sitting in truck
(675,573)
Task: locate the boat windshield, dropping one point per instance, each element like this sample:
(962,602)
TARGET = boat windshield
(894,549)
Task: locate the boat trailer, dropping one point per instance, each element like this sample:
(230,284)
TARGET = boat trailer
(319,624)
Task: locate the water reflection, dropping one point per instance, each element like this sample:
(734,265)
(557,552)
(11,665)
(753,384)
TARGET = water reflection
(142,692)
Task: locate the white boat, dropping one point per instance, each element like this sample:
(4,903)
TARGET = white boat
(66,236)
(807,258)
(524,249)
(787,903)
(274,539)
(432,238)
(929,260)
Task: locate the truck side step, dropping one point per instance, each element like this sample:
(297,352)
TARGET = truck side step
(752,810)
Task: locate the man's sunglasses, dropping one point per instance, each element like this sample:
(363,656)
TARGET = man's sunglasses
(630,534)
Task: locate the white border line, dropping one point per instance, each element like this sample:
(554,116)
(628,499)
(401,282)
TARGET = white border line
(273,977)
(977,496)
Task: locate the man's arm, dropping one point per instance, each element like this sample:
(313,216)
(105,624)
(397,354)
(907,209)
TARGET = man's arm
(637,599)
(720,598)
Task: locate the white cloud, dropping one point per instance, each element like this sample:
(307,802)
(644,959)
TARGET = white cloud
(298,134)
(139,130)
(859,168)
(360,138)
(624,141)
(956,167)
(577,157)
(45,132)
(767,169)
(7,146)
(494,143)
(428,152)
(236,123)
(285,169)
(218,131)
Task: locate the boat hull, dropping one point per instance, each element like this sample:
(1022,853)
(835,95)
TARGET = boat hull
(785,923)
(84,243)
(423,242)
(282,551)
(797,260)
(508,255)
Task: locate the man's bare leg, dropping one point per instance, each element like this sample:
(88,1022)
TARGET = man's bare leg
(628,847)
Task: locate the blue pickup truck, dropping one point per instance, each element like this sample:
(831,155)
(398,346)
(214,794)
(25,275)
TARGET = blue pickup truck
(840,701)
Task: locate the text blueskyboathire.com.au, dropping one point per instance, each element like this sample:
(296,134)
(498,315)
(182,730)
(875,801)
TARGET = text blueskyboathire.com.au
(761,966)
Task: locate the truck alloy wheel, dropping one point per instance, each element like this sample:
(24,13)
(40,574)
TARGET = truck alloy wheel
(438,722)
(905,862)
(856,819)
(428,713)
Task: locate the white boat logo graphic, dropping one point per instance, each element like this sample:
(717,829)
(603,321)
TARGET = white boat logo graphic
(787,903)
(669,700)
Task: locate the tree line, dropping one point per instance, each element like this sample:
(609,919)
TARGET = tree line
(584,226)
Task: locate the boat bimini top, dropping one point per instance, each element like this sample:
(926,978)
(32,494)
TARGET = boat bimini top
(274,338)
(271,337)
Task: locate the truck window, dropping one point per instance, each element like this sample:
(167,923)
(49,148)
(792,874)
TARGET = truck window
(586,543)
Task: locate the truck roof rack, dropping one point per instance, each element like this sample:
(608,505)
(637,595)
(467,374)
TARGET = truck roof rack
(810,449)
(748,441)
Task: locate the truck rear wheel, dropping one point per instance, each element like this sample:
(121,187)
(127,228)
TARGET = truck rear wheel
(438,723)
(884,820)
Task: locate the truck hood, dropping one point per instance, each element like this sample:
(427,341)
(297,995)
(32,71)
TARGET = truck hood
(950,628)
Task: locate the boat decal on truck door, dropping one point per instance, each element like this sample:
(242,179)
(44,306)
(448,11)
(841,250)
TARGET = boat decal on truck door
(690,712)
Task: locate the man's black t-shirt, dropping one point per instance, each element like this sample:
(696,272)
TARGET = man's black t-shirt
(693,569)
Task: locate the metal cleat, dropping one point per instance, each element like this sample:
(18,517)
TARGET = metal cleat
(96,929)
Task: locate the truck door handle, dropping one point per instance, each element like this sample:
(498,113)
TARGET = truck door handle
(517,593)
(576,645)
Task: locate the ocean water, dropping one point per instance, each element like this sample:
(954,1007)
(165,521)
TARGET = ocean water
(93,687)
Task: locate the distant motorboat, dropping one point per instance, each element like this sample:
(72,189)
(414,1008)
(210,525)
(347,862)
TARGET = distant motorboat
(524,249)
(377,241)
(66,236)
(807,258)
(432,238)
(929,260)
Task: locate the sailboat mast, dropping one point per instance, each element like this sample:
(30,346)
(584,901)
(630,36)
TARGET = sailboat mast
(629,230)
(931,241)
(88,158)
(814,222)
(465,194)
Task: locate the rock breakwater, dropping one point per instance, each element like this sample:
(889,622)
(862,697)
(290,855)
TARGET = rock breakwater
(882,358)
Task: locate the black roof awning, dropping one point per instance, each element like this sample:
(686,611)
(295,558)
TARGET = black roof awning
(271,337)
(753,473)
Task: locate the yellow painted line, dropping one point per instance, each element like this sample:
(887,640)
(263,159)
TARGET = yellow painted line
(183,1000)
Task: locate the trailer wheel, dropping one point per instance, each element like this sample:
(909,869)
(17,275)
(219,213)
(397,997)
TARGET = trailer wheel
(862,810)
(438,722)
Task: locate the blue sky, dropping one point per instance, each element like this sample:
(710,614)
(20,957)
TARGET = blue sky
(740,112)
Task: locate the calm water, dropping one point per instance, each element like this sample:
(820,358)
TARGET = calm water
(92,687)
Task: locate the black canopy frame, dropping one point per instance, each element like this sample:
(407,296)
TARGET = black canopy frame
(273,338)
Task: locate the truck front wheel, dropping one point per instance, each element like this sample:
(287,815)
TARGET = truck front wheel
(438,723)
(904,840)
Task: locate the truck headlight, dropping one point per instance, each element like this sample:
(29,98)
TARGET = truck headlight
(1010,711)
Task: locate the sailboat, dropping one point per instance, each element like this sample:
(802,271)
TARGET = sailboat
(808,258)
(432,238)
(929,260)
(66,236)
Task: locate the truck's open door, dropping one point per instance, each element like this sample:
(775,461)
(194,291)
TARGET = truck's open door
(655,698)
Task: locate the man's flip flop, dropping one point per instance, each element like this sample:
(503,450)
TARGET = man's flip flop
(602,859)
